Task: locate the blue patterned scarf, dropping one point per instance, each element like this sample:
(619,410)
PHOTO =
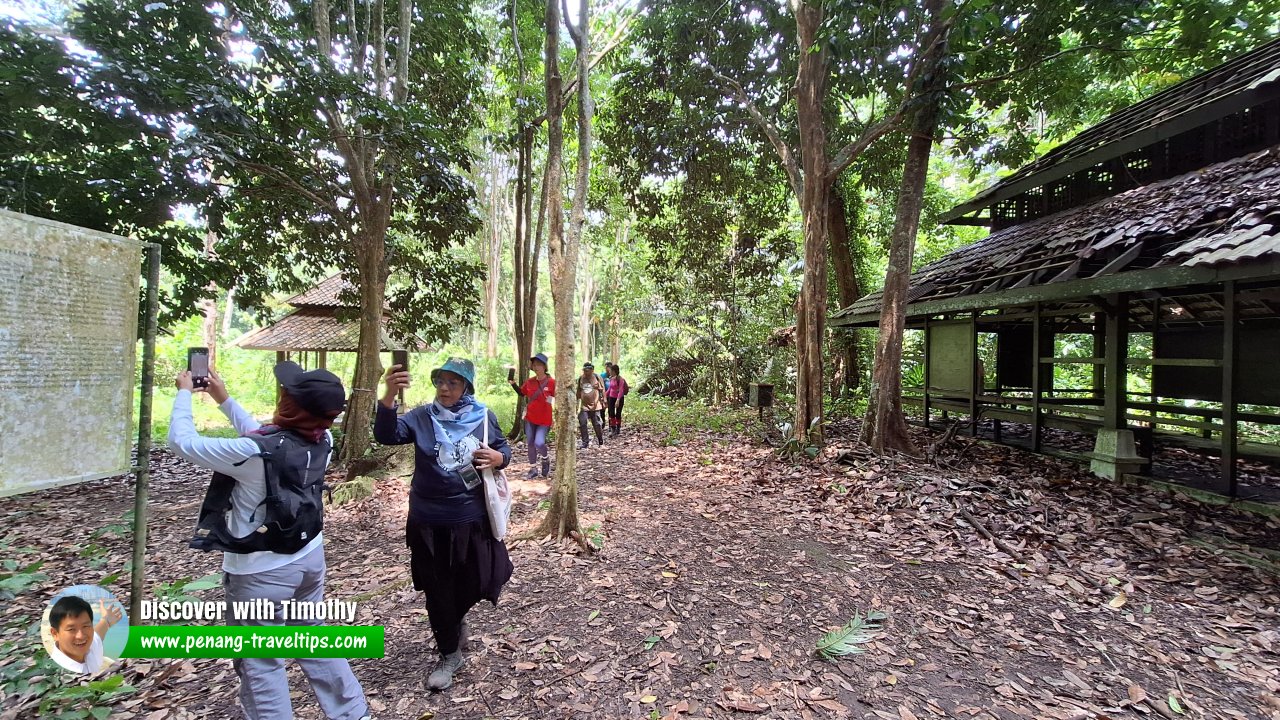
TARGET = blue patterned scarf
(455,443)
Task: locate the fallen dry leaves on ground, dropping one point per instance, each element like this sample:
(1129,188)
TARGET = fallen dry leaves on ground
(721,568)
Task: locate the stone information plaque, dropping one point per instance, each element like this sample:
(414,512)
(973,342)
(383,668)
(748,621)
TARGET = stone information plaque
(68,335)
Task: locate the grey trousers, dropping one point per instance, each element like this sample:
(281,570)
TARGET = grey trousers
(264,685)
(596,422)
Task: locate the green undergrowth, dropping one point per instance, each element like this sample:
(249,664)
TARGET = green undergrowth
(676,420)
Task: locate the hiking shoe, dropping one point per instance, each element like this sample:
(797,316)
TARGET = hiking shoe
(546,468)
(584,445)
(533,473)
(442,677)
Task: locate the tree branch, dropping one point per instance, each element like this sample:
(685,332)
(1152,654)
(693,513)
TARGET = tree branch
(515,40)
(402,61)
(618,34)
(572,86)
(936,37)
(574,31)
(789,162)
(284,178)
(1033,65)
(320,17)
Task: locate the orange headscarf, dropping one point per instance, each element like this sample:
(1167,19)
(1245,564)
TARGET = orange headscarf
(292,416)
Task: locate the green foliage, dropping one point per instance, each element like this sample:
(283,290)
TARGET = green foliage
(594,535)
(16,578)
(35,682)
(676,419)
(209,109)
(849,639)
(72,151)
(180,590)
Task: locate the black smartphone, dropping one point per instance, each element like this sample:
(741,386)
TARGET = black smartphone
(511,374)
(401,358)
(198,364)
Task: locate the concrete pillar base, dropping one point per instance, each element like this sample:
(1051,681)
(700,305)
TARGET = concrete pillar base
(1115,454)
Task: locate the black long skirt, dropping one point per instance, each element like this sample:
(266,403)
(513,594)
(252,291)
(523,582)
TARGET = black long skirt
(456,566)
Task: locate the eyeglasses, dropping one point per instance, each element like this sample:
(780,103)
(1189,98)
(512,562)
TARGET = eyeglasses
(444,382)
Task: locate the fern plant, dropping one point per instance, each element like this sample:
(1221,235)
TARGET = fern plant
(849,639)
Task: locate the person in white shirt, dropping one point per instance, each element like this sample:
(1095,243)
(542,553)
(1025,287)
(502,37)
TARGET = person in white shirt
(77,641)
(307,407)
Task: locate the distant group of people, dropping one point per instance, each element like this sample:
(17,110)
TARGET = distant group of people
(263,508)
(595,394)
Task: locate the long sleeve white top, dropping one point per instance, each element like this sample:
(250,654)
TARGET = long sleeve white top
(238,458)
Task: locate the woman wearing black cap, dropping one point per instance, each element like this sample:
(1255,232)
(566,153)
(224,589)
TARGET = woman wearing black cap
(308,404)
(455,559)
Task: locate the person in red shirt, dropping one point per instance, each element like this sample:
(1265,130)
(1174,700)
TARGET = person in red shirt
(541,390)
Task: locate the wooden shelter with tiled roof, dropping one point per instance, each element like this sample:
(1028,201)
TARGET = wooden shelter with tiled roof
(1155,235)
(320,323)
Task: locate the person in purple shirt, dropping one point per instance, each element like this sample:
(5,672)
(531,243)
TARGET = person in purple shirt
(454,558)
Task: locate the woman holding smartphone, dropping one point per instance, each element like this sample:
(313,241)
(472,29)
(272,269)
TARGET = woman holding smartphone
(541,391)
(454,558)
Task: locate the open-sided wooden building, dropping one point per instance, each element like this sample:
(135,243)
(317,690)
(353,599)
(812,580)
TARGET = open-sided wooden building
(320,323)
(1155,236)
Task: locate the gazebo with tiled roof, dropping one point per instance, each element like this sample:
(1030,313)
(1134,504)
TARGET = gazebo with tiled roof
(320,323)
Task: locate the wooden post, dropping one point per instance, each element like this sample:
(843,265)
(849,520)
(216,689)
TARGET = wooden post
(1155,336)
(996,428)
(1101,322)
(1037,377)
(322,359)
(975,375)
(924,403)
(1230,348)
(1115,363)
(142,463)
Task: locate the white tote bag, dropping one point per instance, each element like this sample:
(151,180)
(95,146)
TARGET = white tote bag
(497,495)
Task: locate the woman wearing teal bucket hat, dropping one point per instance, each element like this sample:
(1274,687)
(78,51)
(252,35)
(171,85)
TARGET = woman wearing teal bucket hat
(541,391)
(455,560)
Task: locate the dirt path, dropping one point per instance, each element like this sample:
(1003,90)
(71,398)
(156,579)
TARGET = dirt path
(722,567)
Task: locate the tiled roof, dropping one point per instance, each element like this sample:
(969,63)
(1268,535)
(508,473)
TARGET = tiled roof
(1224,214)
(324,294)
(311,329)
(1239,83)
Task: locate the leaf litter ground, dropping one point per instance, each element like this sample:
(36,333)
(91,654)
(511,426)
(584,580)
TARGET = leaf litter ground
(723,566)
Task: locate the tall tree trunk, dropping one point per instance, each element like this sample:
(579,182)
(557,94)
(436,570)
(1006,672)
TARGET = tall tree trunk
(811,307)
(526,291)
(846,284)
(357,425)
(885,427)
(615,334)
(209,328)
(562,517)
(373,181)
(228,312)
(590,291)
(520,248)
(493,259)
